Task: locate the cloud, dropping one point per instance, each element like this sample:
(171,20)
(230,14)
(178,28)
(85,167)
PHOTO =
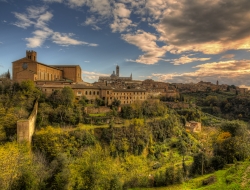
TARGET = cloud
(227,56)
(102,7)
(120,10)
(244,86)
(92,75)
(121,18)
(227,72)
(23,20)
(120,24)
(65,40)
(39,18)
(186,59)
(147,43)
(93,45)
(53,1)
(1,42)
(92,21)
(155,8)
(210,27)
(94,27)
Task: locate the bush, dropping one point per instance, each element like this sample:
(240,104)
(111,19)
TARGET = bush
(217,162)
(210,180)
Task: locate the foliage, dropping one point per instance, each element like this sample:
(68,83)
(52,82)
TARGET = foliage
(94,170)
(20,169)
(53,141)
(143,109)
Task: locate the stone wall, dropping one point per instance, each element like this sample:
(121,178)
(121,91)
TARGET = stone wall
(26,127)
(101,109)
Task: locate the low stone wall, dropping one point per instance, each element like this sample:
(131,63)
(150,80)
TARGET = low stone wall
(101,109)
(26,127)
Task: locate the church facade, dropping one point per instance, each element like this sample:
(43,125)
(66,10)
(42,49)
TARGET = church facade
(28,68)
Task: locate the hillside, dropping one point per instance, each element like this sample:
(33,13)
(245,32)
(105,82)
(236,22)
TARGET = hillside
(234,176)
(144,145)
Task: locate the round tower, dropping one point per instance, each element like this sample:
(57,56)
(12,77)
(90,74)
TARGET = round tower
(31,55)
(117,70)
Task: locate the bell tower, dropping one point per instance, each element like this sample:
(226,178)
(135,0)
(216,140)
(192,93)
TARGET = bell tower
(117,70)
(31,55)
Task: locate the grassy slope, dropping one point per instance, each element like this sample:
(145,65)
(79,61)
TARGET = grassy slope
(235,177)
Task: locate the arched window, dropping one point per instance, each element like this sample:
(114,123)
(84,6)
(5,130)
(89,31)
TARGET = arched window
(86,93)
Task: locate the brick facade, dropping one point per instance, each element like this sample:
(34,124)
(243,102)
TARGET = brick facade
(28,68)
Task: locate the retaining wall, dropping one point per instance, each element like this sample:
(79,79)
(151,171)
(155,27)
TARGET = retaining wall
(26,127)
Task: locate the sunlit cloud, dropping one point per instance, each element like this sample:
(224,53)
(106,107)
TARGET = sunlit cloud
(227,56)
(205,26)
(186,59)
(147,43)
(121,18)
(244,86)
(228,72)
(92,75)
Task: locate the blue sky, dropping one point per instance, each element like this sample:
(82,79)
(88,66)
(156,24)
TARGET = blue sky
(166,40)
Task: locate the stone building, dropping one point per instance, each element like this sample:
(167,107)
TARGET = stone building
(115,77)
(28,68)
(193,126)
(108,94)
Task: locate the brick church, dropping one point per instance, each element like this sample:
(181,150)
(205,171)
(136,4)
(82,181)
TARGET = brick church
(28,68)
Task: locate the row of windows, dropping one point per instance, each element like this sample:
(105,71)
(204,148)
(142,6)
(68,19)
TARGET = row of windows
(47,76)
(89,92)
(129,93)
(122,98)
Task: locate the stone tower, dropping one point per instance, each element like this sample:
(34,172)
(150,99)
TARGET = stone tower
(117,70)
(31,55)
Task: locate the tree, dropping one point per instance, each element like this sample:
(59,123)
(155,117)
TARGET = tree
(68,96)
(116,103)
(99,102)
(235,128)
(127,112)
(56,98)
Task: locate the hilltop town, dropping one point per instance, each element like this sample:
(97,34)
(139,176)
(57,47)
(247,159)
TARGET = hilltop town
(55,77)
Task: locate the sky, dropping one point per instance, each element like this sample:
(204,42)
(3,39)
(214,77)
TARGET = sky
(175,41)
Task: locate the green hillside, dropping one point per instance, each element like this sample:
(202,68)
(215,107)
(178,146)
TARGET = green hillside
(146,145)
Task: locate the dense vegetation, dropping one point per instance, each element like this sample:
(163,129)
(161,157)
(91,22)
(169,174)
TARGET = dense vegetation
(144,145)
